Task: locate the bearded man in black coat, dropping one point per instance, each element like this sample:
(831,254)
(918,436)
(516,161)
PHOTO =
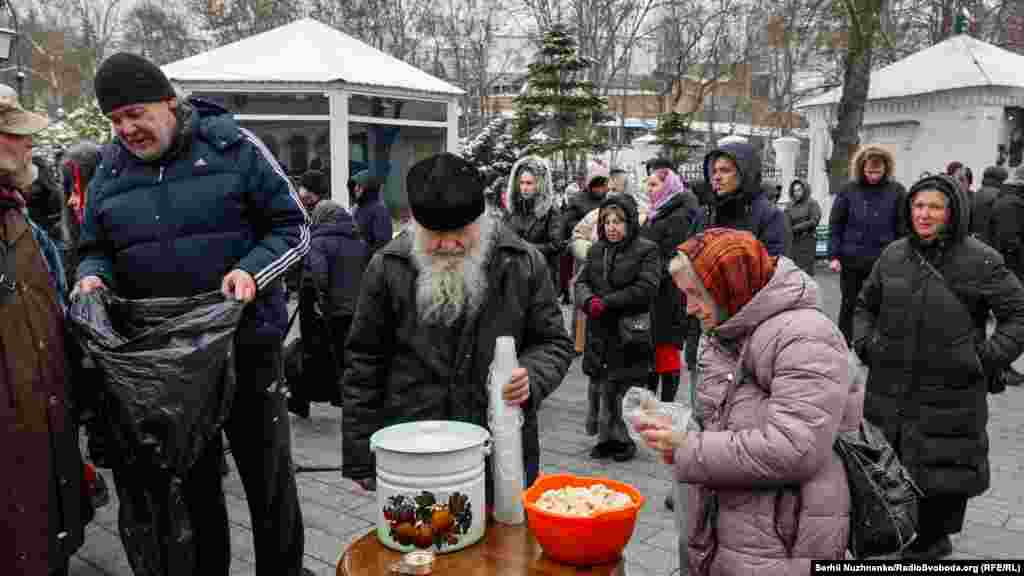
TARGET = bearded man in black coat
(432,303)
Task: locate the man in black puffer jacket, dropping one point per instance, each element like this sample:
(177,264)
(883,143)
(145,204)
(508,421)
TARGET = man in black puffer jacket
(984,203)
(1007,230)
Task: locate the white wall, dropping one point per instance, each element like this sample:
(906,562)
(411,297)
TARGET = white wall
(924,132)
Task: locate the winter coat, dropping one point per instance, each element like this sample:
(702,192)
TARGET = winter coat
(747,208)
(535,220)
(772,463)
(44,201)
(625,277)
(400,370)
(803,215)
(581,204)
(984,204)
(85,156)
(865,218)
(331,276)
(672,226)
(217,201)
(923,338)
(1008,226)
(373,219)
(335,263)
(42,493)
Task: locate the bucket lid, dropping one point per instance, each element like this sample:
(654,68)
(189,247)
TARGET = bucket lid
(429,437)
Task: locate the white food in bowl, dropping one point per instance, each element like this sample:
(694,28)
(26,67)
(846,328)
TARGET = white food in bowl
(592,500)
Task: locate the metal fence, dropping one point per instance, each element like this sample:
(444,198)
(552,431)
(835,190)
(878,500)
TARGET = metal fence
(693,172)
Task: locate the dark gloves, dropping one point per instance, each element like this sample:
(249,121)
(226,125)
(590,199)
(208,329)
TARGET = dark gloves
(368,484)
(595,307)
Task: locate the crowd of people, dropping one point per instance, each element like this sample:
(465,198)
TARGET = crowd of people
(709,279)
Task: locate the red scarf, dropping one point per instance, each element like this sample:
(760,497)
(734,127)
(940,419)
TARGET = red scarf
(732,265)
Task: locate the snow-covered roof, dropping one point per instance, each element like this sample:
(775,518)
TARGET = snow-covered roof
(957,62)
(305,51)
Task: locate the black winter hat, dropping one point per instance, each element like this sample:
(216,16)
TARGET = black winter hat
(125,79)
(316,182)
(445,192)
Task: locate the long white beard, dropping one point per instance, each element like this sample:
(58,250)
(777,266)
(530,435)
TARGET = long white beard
(451,286)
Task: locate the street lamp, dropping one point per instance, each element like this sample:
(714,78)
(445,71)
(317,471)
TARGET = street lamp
(8,39)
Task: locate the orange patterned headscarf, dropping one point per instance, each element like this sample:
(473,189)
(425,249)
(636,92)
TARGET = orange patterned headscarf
(732,265)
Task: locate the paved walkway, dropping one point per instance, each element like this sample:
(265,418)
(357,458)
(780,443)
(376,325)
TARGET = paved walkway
(336,512)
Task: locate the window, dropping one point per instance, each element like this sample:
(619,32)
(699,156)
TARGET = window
(298,145)
(379,107)
(388,152)
(303,104)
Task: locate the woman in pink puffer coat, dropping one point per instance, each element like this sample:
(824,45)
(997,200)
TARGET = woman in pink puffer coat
(767,494)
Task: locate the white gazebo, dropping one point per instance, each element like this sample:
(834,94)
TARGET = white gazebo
(960,99)
(321,99)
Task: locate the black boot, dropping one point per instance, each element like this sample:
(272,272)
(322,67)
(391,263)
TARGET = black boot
(669,386)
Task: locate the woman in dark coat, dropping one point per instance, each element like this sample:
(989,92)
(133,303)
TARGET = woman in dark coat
(669,223)
(803,215)
(620,278)
(530,211)
(920,326)
(331,275)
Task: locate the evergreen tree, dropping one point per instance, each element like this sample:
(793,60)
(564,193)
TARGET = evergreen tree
(493,152)
(559,99)
(672,134)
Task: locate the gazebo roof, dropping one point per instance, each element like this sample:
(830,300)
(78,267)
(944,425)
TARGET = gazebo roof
(957,62)
(305,51)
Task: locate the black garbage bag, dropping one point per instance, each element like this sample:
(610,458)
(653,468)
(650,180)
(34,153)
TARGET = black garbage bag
(168,368)
(168,381)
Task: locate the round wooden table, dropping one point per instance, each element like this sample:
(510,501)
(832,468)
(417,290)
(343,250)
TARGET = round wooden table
(505,550)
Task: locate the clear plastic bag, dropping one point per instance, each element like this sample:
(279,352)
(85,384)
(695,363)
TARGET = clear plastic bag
(640,408)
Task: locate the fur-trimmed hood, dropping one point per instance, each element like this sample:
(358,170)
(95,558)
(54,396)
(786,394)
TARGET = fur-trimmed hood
(858,160)
(542,200)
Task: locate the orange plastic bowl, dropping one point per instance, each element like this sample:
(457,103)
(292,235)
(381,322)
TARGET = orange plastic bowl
(586,541)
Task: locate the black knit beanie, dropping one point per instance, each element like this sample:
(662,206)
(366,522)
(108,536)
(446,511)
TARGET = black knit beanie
(445,192)
(125,79)
(316,182)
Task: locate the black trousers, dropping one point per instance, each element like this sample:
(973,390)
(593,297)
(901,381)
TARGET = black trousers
(258,430)
(851,279)
(939,516)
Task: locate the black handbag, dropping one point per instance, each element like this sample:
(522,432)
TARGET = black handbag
(635,330)
(883,496)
